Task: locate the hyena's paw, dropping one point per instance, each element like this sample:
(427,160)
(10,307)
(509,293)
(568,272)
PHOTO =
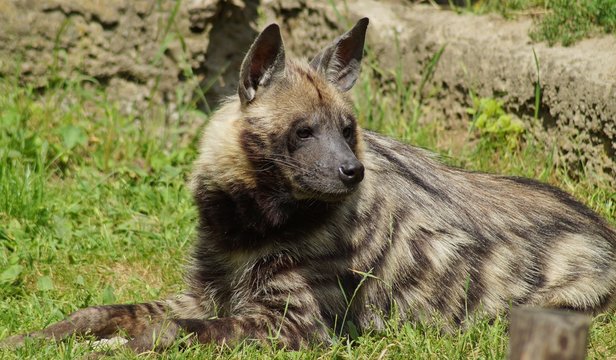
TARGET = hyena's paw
(13,342)
(113,343)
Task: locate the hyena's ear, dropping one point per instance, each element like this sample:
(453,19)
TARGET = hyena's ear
(341,60)
(264,61)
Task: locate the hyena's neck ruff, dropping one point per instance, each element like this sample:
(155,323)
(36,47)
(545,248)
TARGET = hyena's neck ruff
(240,176)
(301,211)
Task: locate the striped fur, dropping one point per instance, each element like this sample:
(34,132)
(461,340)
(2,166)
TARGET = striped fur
(282,247)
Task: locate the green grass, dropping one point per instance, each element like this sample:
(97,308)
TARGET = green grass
(94,209)
(559,21)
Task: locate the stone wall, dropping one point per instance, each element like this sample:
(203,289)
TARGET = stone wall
(156,51)
(141,50)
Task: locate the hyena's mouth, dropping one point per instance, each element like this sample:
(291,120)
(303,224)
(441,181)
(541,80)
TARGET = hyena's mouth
(326,197)
(323,192)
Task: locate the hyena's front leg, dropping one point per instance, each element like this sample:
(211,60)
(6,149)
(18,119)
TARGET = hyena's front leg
(290,331)
(284,314)
(288,320)
(99,321)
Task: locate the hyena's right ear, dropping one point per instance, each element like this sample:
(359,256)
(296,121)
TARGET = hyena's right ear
(264,61)
(341,60)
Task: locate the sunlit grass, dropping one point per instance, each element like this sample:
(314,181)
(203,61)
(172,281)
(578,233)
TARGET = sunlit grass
(94,209)
(558,21)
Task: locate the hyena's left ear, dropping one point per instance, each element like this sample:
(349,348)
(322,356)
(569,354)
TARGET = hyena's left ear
(264,61)
(341,60)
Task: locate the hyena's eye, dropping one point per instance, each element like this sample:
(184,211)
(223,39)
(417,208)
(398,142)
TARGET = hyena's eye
(347,132)
(304,132)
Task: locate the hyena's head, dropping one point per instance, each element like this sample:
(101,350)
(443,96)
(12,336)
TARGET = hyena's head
(298,119)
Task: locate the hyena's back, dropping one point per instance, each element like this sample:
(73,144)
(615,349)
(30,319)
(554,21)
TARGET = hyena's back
(446,241)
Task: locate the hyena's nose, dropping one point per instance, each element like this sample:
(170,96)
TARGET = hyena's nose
(351,173)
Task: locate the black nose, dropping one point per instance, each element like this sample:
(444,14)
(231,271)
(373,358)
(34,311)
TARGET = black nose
(352,173)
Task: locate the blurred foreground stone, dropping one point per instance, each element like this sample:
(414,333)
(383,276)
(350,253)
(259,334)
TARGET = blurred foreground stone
(541,334)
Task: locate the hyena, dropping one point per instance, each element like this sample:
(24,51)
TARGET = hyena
(307,222)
